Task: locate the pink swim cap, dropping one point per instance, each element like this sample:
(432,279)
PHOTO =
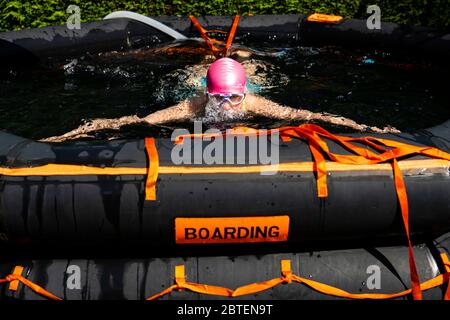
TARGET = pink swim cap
(226,76)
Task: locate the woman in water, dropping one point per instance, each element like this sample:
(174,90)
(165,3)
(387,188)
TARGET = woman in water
(226,99)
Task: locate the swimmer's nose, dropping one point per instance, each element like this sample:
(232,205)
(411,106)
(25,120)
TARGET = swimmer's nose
(227,105)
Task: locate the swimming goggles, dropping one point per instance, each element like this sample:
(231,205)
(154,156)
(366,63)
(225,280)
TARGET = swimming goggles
(233,98)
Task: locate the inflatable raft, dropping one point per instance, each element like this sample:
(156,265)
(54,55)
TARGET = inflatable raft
(307,189)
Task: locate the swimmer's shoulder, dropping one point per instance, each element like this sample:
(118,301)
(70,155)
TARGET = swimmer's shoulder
(251,102)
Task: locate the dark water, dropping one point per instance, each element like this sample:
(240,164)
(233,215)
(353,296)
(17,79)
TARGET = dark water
(374,88)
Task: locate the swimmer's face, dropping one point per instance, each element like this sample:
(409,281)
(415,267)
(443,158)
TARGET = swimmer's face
(228,106)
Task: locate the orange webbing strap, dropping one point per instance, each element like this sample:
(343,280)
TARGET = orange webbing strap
(232,33)
(403,201)
(324,18)
(321,170)
(446,263)
(16,277)
(261,286)
(289,277)
(182,284)
(14,285)
(212,43)
(203,33)
(153,166)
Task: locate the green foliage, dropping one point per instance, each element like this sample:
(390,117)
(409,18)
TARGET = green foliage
(38,13)
(433,13)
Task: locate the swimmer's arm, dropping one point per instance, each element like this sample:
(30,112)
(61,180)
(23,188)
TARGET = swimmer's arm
(264,107)
(267,108)
(182,111)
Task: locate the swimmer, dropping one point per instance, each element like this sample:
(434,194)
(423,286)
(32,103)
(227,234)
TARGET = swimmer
(226,99)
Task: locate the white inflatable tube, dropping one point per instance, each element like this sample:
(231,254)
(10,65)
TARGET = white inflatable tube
(148,21)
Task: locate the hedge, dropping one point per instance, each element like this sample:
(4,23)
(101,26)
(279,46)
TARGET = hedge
(16,15)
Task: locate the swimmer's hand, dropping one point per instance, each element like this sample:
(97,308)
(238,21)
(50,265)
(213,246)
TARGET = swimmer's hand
(388,129)
(92,126)
(345,122)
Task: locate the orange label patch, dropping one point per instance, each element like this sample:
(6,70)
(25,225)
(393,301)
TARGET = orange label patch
(231,230)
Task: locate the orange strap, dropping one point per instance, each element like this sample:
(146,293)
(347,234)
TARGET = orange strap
(232,33)
(153,168)
(289,277)
(14,285)
(16,277)
(446,263)
(214,44)
(182,284)
(49,170)
(403,201)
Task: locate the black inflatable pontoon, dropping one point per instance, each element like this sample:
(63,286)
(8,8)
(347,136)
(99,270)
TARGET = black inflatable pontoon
(95,193)
(124,34)
(358,271)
